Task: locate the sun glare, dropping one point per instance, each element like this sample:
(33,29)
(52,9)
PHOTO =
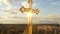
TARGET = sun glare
(29,14)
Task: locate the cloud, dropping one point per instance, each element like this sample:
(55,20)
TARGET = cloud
(49,0)
(49,19)
(0,3)
(51,16)
(55,3)
(25,4)
(8,8)
(8,14)
(17,1)
(7,2)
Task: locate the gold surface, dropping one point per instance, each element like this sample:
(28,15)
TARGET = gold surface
(30,10)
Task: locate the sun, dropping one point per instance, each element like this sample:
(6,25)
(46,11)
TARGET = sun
(29,14)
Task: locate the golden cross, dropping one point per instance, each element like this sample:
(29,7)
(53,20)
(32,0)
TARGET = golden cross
(23,9)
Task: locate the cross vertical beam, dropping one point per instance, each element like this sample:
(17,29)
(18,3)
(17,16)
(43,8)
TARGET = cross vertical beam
(30,18)
(30,3)
(30,25)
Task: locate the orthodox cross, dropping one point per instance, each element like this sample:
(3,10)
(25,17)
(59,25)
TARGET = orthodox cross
(31,10)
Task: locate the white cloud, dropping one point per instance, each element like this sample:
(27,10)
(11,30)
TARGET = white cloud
(25,4)
(55,3)
(0,3)
(49,19)
(51,16)
(7,2)
(7,14)
(17,1)
(49,0)
(8,8)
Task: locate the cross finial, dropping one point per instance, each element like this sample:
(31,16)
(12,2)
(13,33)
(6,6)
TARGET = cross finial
(30,9)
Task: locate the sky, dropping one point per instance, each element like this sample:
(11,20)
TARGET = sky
(10,8)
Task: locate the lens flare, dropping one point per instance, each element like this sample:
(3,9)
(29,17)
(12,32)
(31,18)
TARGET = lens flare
(29,14)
